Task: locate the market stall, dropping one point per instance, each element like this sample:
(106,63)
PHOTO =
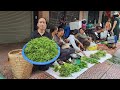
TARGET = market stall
(74,75)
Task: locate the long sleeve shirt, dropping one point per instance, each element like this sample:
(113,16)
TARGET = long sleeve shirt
(72,40)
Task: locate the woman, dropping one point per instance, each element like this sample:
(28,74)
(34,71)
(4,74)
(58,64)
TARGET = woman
(83,38)
(41,31)
(64,53)
(53,31)
(116,29)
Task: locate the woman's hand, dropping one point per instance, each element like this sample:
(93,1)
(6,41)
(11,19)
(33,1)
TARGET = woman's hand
(81,52)
(81,45)
(66,40)
(111,32)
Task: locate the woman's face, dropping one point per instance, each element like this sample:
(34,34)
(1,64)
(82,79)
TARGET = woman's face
(56,31)
(61,33)
(81,31)
(42,24)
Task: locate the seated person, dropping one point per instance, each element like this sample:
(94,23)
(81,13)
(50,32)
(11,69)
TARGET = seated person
(64,53)
(83,35)
(101,33)
(83,38)
(75,43)
(53,31)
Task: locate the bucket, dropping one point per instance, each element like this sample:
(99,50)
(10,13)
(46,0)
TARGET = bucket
(21,68)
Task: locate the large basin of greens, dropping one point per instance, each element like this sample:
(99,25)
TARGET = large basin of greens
(41,51)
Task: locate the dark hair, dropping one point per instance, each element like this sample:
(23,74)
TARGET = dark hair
(84,22)
(74,32)
(80,29)
(60,29)
(53,28)
(86,44)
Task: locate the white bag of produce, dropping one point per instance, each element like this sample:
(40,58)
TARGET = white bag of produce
(75,25)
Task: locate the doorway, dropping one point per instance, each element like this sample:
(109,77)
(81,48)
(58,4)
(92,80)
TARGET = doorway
(35,20)
(93,16)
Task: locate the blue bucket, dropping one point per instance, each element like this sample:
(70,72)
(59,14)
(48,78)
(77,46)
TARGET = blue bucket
(39,63)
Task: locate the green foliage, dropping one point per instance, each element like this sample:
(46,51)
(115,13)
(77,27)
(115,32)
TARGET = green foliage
(41,49)
(89,60)
(67,69)
(98,55)
(82,65)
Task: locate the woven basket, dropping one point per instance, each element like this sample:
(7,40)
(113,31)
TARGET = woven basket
(21,69)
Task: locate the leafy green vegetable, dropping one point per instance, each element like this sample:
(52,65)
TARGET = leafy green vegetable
(56,68)
(82,65)
(98,55)
(66,69)
(41,49)
(89,60)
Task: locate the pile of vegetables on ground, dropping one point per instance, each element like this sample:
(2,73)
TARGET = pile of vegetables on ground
(41,49)
(67,69)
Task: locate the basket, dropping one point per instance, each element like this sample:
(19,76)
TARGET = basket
(21,69)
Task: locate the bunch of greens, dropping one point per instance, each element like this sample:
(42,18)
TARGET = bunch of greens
(83,65)
(66,69)
(41,49)
(89,60)
(98,55)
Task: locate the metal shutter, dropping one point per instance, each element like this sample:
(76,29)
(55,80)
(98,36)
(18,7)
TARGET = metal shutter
(15,26)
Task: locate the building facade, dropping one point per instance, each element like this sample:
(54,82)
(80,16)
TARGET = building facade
(17,26)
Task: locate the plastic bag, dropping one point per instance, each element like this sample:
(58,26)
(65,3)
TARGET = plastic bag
(103,35)
(112,39)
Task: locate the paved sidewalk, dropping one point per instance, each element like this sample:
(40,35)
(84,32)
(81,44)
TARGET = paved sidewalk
(105,70)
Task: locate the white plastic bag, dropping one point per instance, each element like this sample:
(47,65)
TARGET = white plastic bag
(75,25)
(111,39)
(103,35)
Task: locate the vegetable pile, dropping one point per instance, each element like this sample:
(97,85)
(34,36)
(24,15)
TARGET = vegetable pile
(67,68)
(89,60)
(98,55)
(41,49)
(94,57)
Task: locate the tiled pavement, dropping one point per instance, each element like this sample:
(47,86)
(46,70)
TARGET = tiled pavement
(105,70)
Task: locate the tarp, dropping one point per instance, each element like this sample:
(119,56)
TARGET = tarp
(76,74)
